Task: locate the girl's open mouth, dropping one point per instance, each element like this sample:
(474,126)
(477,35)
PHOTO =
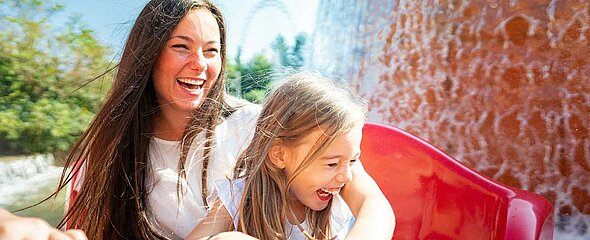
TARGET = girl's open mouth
(325,194)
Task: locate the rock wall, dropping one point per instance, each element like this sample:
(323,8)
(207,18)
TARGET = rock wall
(503,86)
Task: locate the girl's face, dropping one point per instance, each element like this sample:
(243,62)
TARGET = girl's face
(326,175)
(188,66)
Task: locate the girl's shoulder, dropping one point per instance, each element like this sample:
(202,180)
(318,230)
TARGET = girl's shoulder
(342,218)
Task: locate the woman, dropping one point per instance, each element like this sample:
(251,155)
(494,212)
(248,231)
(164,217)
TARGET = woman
(167,128)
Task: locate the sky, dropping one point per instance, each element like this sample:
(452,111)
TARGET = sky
(252,24)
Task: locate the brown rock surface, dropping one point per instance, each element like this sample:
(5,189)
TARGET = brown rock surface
(503,86)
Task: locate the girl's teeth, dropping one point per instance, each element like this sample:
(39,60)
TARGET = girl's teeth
(326,192)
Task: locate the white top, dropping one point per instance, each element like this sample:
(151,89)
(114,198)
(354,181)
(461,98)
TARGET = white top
(230,194)
(177,218)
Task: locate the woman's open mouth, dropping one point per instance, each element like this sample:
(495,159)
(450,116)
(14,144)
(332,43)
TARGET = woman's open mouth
(193,86)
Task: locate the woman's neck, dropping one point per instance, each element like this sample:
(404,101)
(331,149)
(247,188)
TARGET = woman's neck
(170,126)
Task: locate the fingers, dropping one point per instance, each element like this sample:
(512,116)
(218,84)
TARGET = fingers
(4,214)
(231,235)
(13,227)
(67,235)
(76,234)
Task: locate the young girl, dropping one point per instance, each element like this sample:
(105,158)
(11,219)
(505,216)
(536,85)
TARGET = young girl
(286,186)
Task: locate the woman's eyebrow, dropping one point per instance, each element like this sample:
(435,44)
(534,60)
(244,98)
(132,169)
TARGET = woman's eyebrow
(187,38)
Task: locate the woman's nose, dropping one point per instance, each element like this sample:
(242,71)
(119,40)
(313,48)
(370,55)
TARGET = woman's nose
(198,62)
(345,175)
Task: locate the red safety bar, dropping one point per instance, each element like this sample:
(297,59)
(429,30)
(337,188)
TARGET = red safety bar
(436,197)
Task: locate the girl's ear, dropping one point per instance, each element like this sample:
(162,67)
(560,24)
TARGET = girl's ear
(276,154)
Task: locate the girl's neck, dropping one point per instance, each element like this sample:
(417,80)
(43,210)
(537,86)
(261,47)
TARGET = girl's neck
(295,212)
(170,126)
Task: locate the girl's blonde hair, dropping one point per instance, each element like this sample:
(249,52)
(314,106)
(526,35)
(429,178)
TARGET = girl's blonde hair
(301,104)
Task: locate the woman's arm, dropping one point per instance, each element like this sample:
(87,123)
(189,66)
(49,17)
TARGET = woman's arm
(217,221)
(374,217)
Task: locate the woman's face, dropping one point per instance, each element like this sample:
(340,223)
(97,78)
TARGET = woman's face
(188,66)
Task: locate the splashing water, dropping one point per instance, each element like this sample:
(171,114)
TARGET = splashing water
(25,177)
(503,86)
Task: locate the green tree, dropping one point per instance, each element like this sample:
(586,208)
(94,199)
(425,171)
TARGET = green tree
(46,99)
(290,56)
(251,80)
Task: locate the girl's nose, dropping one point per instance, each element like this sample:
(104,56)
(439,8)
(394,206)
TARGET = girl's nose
(345,175)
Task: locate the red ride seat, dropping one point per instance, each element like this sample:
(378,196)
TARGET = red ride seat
(436,197)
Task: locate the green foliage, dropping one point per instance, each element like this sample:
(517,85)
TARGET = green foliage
(255,75)
(290,56)
(41,108)
(252,80)
(256,95)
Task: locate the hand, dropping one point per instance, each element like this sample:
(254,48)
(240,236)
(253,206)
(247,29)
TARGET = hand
(19,228)
(230,235)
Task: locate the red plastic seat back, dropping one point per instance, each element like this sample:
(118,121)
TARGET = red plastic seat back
(436,197)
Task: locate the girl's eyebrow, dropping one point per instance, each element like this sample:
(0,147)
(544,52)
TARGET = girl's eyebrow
(357,155)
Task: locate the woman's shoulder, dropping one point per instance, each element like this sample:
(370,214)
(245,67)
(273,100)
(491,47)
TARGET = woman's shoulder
(243,108)
(249,110)
(235,132)
(244,113)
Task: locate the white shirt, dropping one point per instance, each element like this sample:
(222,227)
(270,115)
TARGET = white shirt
(176,218)
(230,194)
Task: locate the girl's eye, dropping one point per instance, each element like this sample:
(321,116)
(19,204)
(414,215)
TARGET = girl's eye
(215,50)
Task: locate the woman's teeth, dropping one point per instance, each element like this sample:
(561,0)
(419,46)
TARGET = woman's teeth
(189,81)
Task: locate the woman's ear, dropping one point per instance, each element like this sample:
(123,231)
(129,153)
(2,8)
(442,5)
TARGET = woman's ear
(276,154)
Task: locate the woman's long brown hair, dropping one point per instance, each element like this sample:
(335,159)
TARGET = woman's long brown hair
(303,103)
(112,201)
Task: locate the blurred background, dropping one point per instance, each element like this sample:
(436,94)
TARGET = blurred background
(502,86)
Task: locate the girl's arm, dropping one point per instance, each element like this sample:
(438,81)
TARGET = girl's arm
(374,217)
(217,221)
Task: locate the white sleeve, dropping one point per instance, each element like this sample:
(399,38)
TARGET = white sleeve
(342,218)
(230,194)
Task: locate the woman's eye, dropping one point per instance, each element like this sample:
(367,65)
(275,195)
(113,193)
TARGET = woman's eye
(332,164)
(213,50)
(183,46)
(352,161)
